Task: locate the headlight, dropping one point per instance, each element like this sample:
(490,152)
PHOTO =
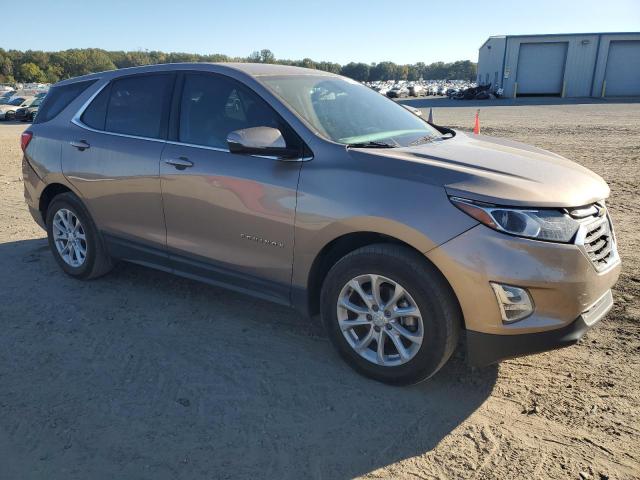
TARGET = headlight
(541,224)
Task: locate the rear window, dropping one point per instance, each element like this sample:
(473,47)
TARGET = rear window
(58,98)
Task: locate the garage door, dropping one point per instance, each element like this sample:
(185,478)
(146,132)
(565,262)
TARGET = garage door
(623,68)
(541,68)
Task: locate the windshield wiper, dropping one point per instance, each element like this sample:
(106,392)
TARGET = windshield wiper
(375,144)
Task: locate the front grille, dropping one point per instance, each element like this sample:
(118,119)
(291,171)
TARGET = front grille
(599,243)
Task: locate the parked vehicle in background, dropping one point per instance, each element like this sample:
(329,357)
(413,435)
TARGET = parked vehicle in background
(416,90)
(420,87)
(399,91)
(27,114)
(8,109)
(309,189)
(480,92)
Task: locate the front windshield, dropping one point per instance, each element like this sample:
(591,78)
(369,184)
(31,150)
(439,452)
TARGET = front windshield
(16,101)
(347,112)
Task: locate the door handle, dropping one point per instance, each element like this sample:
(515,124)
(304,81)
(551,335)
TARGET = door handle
(80,144)
(180,163)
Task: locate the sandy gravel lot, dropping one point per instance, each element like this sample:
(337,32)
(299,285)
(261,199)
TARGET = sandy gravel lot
(142,375)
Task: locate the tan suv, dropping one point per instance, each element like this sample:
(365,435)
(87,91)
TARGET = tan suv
(311,190)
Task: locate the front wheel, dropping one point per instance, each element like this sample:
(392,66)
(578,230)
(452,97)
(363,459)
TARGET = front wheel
(390,313)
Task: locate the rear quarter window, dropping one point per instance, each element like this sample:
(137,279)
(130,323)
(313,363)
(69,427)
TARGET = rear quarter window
(59,98)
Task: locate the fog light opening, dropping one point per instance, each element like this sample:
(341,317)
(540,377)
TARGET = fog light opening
(515,303)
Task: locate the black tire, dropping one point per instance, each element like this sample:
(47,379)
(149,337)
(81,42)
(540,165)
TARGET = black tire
(97,261)
(430,291)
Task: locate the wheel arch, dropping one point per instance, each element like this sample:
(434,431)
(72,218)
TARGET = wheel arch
(334,251)
(48,194)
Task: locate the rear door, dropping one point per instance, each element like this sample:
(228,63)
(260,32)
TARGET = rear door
(112,157)
(229,217)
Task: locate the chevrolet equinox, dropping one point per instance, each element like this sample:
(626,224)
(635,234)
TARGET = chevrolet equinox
(309,189)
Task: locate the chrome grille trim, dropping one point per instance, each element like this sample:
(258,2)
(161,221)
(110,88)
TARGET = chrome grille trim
(596,239)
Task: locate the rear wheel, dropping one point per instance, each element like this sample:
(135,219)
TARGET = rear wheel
(391,315)
(74,239)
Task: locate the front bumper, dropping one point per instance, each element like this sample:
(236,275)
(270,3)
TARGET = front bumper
(484,348)
(563,283)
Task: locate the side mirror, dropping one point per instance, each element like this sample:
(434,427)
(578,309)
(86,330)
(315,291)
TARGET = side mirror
(261,141)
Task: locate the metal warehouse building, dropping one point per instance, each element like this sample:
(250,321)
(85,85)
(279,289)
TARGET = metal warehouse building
(567,65)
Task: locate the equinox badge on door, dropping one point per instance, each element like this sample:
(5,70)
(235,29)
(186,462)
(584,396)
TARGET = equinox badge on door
(261,240)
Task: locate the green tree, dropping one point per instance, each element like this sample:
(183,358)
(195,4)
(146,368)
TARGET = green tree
(357,71)
(36,65)
(6,66)
(383,71)
(413,73)
(329,67)
(401,72)
(30,72)
(263,56)
(53,74)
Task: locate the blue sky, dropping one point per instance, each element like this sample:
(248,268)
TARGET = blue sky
(340,31)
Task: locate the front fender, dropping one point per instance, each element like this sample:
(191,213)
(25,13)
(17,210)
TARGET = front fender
(412,212)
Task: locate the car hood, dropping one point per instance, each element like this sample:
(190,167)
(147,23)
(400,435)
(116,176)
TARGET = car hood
(505,172)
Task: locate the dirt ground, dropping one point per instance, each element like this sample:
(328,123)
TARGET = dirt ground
(142,375)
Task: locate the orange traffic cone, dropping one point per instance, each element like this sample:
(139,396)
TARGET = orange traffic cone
(476,127)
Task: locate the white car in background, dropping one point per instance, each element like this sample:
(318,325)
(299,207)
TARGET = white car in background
(8,107)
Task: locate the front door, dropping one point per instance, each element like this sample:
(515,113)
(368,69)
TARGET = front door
(229,217)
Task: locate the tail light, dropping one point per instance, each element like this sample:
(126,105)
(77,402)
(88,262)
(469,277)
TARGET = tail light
(25,139)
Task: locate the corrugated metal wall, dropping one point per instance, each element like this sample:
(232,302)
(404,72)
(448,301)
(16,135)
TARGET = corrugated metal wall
(585,66)
(490,58)
(603,53)
(581,54)
(623,68)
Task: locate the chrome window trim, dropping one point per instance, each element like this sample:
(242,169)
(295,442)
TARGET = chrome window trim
(194,145)
(226,150)
(76,120)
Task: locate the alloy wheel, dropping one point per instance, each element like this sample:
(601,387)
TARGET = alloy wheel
(69,238)
(380,320)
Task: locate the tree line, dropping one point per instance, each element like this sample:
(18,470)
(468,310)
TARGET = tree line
(50,67)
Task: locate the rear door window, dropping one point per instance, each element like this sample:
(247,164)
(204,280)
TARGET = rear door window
(136,105)
(58,98)
(139,105)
